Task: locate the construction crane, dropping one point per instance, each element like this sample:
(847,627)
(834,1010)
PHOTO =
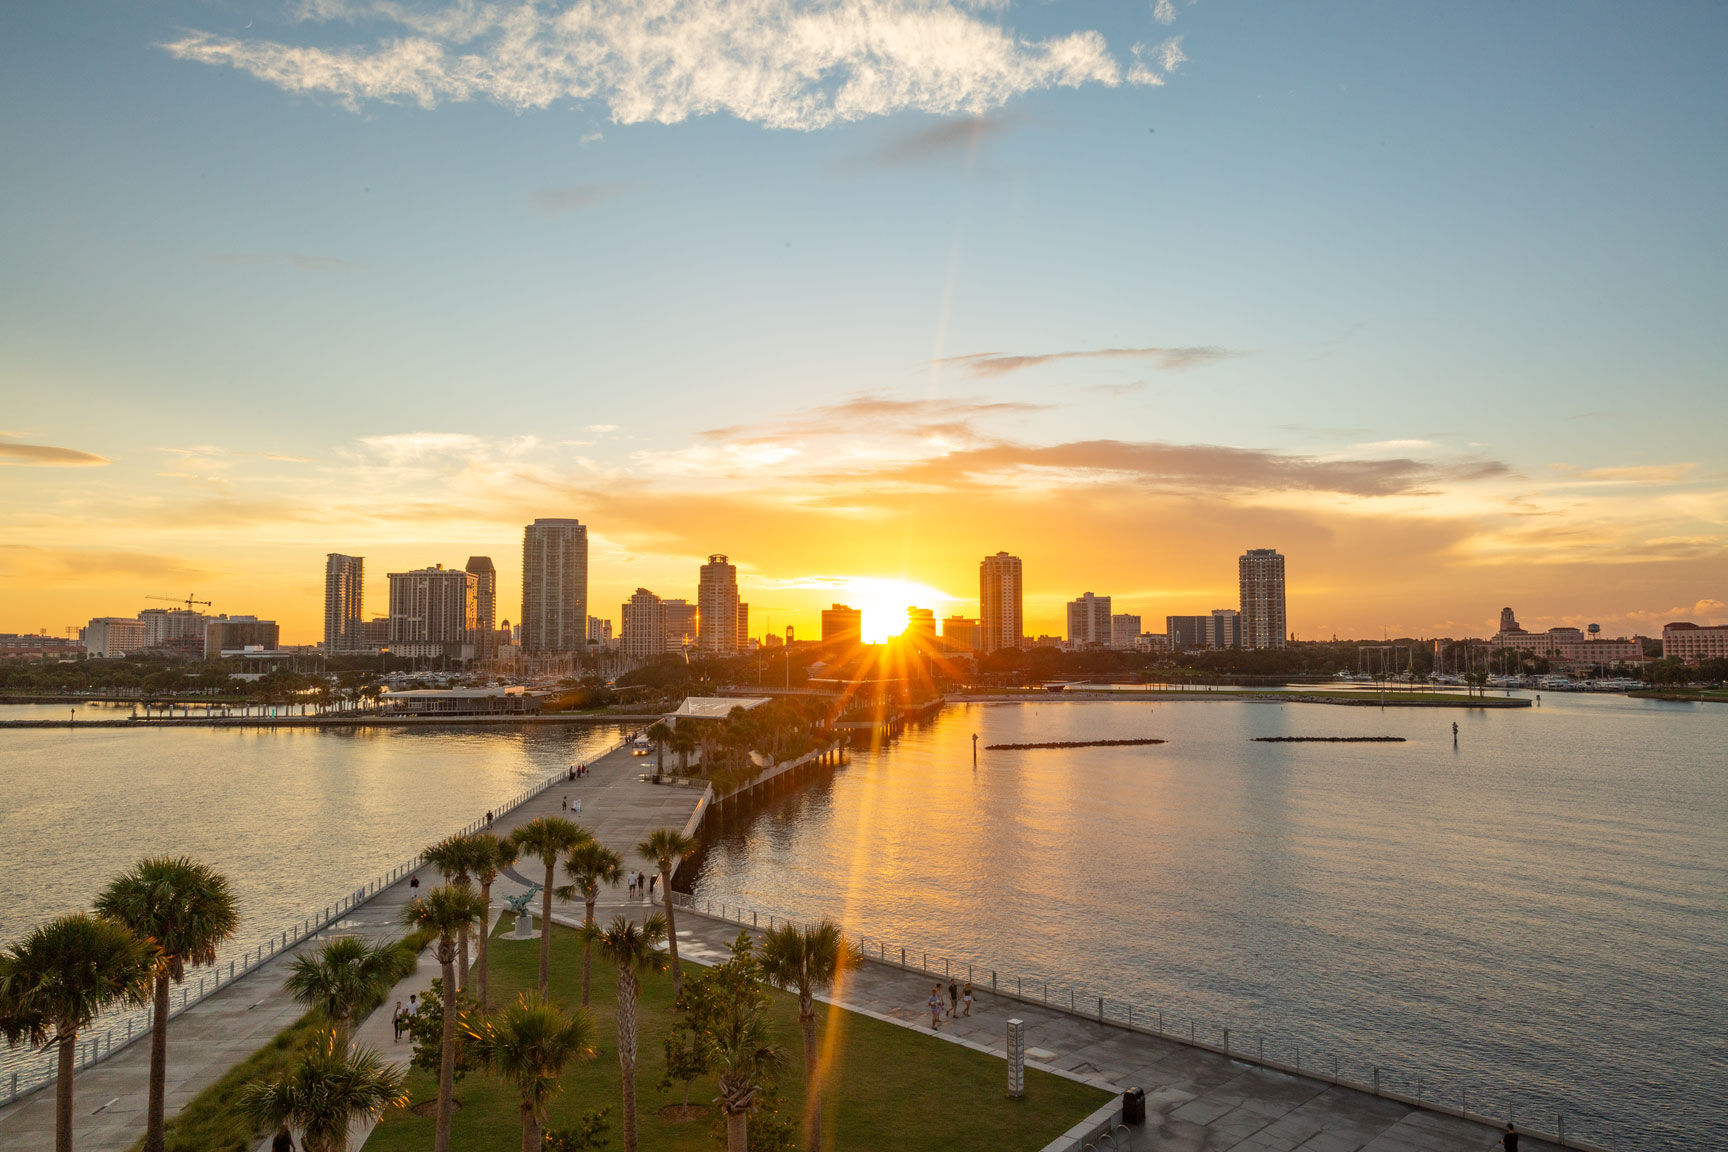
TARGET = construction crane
(188,600)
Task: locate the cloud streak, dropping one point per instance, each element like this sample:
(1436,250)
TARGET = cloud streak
(1169,359)
(46,456)
(789,64)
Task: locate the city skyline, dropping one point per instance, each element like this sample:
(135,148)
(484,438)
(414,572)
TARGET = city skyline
(1172,278)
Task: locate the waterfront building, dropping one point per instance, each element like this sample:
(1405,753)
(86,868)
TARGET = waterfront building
(1089,621)
(1124,632)
(1690,642)
(643,632)
(173,628)
(14,646)
(999,603)
(842,624)
(717,631)
(554,587)
(112,637)
(960,633)
(485,605)
(1260,573)
(1222,629)
(678,621)
(432,612)
(513,700)
(230,634)
(344,598)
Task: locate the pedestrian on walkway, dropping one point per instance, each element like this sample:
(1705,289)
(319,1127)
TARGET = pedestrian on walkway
(953,999)
(413,1009)
(632,879)
(1510,1140)
(414,885)
(564,805)
(966,999)
(488,817)
(577,805)
(936,1008)
(653,882)
(400,1020)
(283,1142)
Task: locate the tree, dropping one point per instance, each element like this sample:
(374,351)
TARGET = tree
(682,744)
(57,979)
(633,950)
(324,1092)
(807,961)
(529,1044)
(445,911)
(426,1031)
(186,909)
(735,1037)
(589,865)
(458,858)
(547,837)
(664,846)
(661,734)
(346,975)
(492,856)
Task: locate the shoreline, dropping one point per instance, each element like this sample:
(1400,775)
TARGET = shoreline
(334,721)
(1264,696)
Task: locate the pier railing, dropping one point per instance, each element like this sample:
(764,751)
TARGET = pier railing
(1395,1079)
(120,1029)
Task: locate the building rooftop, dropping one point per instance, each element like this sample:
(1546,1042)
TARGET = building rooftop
(716,707)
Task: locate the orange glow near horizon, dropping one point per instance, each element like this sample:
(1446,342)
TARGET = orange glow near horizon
(884,603)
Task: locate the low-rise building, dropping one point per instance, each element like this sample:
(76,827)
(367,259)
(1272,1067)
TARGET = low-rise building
(17,647)
(514,700)
(112,637)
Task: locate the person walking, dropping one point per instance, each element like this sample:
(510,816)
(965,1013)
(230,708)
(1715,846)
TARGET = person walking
(1510,1140)
(632,885)
(400,1020)
(284,1142)
(414,885)
(935,1003)
(564,805)
(966,999)
(413,1009)
(653,883)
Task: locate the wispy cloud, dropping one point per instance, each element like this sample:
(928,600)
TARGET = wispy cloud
(1169,359)
(946,140)
(46,456)
(573,197)
(779,63)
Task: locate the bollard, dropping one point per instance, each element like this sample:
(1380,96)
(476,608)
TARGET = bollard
(992,979)
(1376,1081)
(1100,1007)
(902,957)
(752,918)
(1190,1031)
(946,975)
(1562,1131)
(1226,1041)
(1262,1049)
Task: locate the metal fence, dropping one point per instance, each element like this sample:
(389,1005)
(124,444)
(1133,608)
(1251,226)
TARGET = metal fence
(120,1029)
(1398,1080)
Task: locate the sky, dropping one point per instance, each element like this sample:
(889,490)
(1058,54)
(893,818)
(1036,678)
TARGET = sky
(1427,297)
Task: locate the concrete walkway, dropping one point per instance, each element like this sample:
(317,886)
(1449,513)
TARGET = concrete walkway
(228,1026)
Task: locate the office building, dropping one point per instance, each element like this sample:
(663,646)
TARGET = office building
(1694,642)
(643,634)
(173,628)
(432,612)
(1222,629)
(1261,575)
(344,603)
(376,633)
(1124,632)
(112,637)
(842,624)
(232,634)
(554,587)
(717,607)
(960,634)
(485,605)
(678,625)
(921,628)
(999,602)
(599,633)
(743,627)
(1089,621)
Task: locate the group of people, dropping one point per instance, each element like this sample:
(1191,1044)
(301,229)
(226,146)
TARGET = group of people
(959,1003)
(570,805)
(405,1013)
(576,771)
(642,884)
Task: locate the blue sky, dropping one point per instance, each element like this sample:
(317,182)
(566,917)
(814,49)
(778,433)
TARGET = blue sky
(1471,255)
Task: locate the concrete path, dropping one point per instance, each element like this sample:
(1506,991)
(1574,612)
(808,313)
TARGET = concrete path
(220,1031)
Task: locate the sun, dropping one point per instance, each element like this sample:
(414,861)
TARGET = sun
(884,602)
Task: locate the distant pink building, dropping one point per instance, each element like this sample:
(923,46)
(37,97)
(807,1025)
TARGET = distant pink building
(1694,642)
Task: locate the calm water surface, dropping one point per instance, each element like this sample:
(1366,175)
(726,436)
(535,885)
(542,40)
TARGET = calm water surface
(1540,913)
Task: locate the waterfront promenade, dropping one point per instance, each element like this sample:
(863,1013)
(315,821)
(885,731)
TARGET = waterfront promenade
(221,1030)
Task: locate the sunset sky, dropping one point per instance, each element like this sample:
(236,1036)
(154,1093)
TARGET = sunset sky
(1431,298)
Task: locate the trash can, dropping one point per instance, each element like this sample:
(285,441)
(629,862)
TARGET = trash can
(1134,1106)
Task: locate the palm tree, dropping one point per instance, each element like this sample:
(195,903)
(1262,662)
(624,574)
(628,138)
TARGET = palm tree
(187,909)
(528,1044)
(458,858)
(661,733)
(547,837)
(346,975)
(324,1092)
(742,1057)
(589,865)
(492,856)
(807,961)
(57,979)
(664,846)
(446,911)
(682,744)
(633,949)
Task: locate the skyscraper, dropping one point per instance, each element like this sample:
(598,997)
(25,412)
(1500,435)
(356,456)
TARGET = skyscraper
(999,603)
(432,612)
(1262,579)
(717,606)
(1089,620)
(485,605)
(842,624)
(344,619)
(554,586)
(644,629)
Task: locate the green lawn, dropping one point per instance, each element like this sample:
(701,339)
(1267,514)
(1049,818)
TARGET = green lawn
(890,1087)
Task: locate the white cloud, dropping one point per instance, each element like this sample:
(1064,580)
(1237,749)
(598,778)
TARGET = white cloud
(796,64)
(1164,12)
